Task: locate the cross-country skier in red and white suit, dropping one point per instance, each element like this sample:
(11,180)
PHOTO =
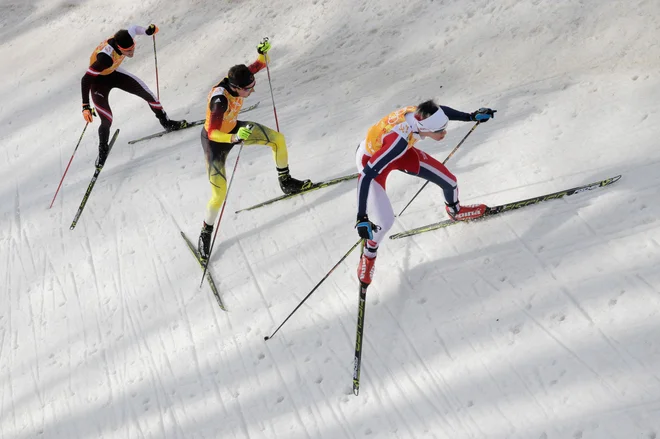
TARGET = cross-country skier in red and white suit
(390,146)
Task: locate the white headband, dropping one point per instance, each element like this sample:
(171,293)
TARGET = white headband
(436,122)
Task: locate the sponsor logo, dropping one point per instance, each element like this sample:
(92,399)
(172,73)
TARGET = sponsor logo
(363,271)
(468,214)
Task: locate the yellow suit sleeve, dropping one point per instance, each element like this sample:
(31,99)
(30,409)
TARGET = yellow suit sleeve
(220,137)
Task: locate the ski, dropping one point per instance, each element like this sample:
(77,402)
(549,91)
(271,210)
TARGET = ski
(209,278)
(190,125)
(91,184)
(490,211)
(313,187)
(357,362)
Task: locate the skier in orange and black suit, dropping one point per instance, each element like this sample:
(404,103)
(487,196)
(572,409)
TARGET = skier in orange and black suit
(222,130)
(104,74)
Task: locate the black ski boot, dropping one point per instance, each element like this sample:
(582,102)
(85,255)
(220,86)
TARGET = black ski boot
(103,155)
(290,185)
(204,243)
(172,125)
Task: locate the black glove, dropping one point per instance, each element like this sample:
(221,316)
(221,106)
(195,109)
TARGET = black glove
(483,114)
(152,29)
(366,228)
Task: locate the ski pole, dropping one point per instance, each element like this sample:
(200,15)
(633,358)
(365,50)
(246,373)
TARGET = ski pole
(268,337)
(156,63)
(445,161)
(70,160)
(224,203)
(277,125)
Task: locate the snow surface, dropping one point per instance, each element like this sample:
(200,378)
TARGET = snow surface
(541,323)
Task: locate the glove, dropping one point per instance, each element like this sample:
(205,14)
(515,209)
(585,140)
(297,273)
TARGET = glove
(483,114)
(88,113)
(264,46)
(365,228)
(151,30)
(243,133)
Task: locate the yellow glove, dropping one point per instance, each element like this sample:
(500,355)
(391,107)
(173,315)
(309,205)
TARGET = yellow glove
(264,46)
(243,133)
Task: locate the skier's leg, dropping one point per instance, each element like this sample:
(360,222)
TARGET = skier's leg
(216,155)
(132,84)
(262,135)
(100,93)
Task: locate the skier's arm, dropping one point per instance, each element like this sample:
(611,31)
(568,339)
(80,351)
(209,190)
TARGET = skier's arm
(136,30)
(259,64)
(103,61)
(263,59)
(218,105)
(455,114)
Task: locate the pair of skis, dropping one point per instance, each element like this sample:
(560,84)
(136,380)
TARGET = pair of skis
(88,192)
(490,211)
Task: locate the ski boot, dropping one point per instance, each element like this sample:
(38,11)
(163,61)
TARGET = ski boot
(290,185)
(104,150)
(367,264)
(365,271)
(464,213)
(172,125)
(204,243)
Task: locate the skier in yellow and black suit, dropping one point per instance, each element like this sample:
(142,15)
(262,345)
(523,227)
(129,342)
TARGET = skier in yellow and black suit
(104,74)
(222,130)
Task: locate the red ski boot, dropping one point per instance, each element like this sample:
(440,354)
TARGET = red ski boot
(465,213)
(365,271)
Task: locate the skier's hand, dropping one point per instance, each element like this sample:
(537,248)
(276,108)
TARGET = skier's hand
(365,228)
(88,113)
(243,133)
(264,46)
(483,114)
(151,30)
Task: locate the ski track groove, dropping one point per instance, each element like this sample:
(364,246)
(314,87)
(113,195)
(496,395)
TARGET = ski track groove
(177,423)
(214,311)
(495,406)
(181,303)
(2,388)
(98,323)
(457,402)
(190,333)
(573,300)
(420,362)
(390,402)
(640,278)
(123,292)
(145,357)
(12,352)
(276,367)
(22,236)
(521,306)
